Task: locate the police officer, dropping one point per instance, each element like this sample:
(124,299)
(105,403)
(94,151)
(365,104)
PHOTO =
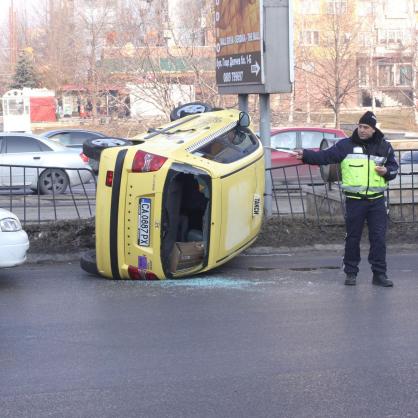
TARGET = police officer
(367,164)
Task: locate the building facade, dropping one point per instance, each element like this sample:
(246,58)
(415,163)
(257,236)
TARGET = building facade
(381,38)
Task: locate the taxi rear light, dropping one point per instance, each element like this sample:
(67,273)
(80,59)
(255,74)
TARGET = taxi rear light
(109,178)
(145,162)
(84,157)
(139,274)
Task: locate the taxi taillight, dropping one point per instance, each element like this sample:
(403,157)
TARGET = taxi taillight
(136,273)
(145,162)
(84,157)
(109,178)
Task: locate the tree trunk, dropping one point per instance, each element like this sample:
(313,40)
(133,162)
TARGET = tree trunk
(337,116)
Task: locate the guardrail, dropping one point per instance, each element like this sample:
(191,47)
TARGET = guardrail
(299,192)
(38,194)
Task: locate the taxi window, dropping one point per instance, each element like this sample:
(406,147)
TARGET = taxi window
(229,147)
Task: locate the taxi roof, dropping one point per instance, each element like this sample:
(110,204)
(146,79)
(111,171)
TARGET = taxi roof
(190,129)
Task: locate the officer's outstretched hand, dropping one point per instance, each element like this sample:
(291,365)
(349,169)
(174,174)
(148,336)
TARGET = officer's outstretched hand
(299,154)
(381,170)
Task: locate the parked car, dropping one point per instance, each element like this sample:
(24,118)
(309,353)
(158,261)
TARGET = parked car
(408,170)
(41,164)
(14,242)
(75,138)
(410,158)
(72,138)
(184,198)
(284,141)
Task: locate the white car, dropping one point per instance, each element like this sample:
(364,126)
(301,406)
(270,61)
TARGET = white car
(14,242)
(40,163)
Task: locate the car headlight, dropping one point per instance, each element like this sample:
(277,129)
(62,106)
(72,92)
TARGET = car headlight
(10,225)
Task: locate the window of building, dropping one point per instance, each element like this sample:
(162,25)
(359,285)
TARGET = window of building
(385,75)
(364,8)
(392,36)
(308,67)
(362,75)
(309,37)
(310,7)
(365,38)
(336,7)
(396,8)
(405,75)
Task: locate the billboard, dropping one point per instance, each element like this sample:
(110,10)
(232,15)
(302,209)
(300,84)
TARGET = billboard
(254,46)
(238,42)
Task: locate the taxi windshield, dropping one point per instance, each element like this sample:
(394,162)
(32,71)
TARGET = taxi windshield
(230,146)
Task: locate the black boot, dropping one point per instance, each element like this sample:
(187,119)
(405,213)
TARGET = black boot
(380,279)
(350,279)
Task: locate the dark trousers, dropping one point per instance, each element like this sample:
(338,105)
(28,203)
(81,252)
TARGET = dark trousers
(358,211)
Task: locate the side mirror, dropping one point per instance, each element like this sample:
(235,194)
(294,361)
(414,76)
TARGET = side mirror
(244,120)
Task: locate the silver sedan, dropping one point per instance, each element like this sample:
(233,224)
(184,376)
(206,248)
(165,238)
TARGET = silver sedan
(45,166)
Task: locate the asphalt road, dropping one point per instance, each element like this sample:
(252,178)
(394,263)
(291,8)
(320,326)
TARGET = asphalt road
(266,336)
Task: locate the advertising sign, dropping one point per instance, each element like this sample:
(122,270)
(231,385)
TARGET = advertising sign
(254,46)
(238,42)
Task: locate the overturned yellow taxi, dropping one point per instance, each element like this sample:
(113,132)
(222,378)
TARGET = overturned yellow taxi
(180,199)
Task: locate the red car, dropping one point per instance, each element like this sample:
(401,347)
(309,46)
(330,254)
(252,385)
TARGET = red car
(283,143)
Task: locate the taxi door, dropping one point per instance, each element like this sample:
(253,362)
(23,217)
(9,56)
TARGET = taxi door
(241,207)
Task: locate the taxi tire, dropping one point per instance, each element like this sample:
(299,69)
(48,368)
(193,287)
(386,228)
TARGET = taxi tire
(331,172)
(93,147)
(88,262)
(189,109)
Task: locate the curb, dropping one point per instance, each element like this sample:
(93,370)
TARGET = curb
(320,248)
(35,258)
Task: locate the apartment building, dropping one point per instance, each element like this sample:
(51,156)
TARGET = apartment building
(379,38)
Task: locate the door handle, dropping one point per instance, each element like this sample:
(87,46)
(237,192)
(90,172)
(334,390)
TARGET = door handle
(36,158)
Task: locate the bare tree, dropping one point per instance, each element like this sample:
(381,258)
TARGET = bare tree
(159,58)
(332,70)
(55,43)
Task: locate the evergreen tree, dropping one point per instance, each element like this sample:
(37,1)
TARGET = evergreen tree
(25,75)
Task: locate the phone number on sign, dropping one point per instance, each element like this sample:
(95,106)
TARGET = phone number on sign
(233,76)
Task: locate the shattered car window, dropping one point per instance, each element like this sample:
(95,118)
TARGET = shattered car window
(229,147)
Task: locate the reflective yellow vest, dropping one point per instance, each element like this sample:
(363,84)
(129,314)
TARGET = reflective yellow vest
(359,178)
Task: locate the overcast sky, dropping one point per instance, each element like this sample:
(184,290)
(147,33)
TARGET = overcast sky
(19,6)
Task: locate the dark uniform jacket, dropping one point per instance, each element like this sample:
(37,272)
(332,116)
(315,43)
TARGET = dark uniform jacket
(377,145)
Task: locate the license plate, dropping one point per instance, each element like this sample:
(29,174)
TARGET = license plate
(144,222)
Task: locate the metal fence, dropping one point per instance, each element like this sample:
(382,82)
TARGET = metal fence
(37,194)
(300,192)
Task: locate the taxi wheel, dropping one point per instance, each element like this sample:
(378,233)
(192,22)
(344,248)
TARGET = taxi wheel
(93,147)
(331,172)
(88,262)
(189,109)
(53,181)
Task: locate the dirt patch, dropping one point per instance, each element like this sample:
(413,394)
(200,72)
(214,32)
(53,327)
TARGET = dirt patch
(61,237)
(278,232)
(76,236)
